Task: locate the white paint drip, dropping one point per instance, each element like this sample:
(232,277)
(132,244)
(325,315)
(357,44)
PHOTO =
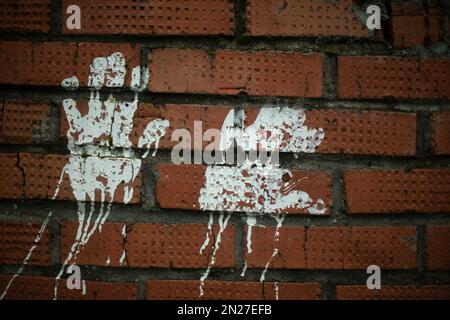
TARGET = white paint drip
(94,169)
(71,83)
(124,236)
(279,219)
(251,222)
(223,222)
(83,287)
(28,256)
(276,290)
(108,261)
(208,233)
(244,270)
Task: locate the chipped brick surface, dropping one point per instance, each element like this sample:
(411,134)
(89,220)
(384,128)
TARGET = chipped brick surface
(177,246)
(193,17)
(25,122)
(11,177)
(231,72)
(359,247)
(438,247)
(303,18)
(377,77)
(394,191)
(440,138)
(394,292)
(25,15)
(191,178)
(365,132)
(51,62)
(27,288)
(16,239)
(291,251)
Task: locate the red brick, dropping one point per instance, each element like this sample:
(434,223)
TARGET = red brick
(393,77)
(11,177)
(16,240)
(394,292)
(440,139)
(48,63)
(25,122)
(25,15)
(359,247)
(27,287)
(213,290)
(230,290)
(43,172)
(151,245)
(100,291)
(303,18)
(438,247)
(231,72)
(408,31)
(374,132)
(395,191)
(291,250)
(190,179)
(194,17)
(292,291)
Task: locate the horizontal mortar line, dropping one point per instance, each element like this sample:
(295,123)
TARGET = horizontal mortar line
(36,210)
(56,94)
(336,276)
(302,161)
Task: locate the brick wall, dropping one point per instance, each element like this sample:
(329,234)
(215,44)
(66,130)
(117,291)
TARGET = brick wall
(380,102)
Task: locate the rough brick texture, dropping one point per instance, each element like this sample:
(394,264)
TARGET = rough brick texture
(42,288)
(438,245)
(232,72)
(303,18)
(179,17)
(48,63)
(149,245)
(231,290)
(25,15)
(16,239)
(397,292)
(393,191)
(378,77)
(191,179)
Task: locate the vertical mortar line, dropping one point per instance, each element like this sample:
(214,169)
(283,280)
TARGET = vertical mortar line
(240,243)
(328,290)
(55,241)
(55,17)
(240,17)
(330,76)
(149,176)
(421,249)
(423,134)
(142,289)
(55,125)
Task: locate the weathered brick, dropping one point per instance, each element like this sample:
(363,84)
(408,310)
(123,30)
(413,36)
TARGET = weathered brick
(43,173)
(371,132)
(438,247)
(11,177)
(150,245)
(232,72)
(260,245)
(394,292)
(394,191)
(440,138)
(194,17)
(42,288)
(360,247)
(230,290)
(25,15)
(190,179)
(17,238)
(48,63)
(27,287)
(378,77)
(303,18)
(25,122)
